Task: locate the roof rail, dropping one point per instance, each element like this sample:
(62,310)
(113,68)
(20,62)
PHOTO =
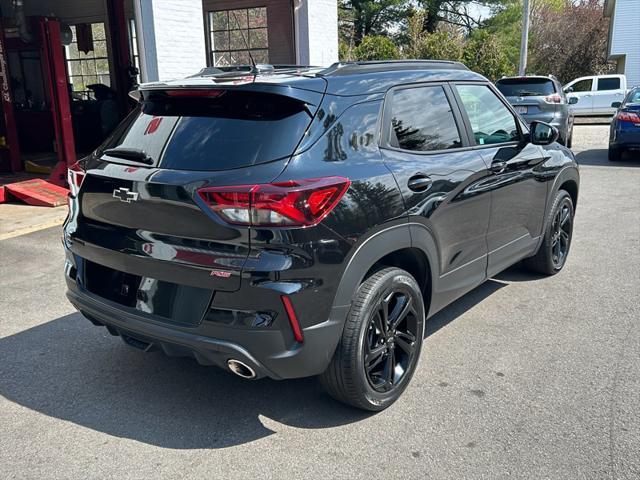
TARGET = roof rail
(344,68)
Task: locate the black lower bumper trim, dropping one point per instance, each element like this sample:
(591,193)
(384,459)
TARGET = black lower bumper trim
(148,336)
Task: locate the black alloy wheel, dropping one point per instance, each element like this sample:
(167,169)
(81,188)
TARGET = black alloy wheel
(380,344)
(562,229)
(390,343)
(554,249)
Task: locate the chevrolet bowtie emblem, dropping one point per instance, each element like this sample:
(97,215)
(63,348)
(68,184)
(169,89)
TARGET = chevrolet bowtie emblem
(125,195)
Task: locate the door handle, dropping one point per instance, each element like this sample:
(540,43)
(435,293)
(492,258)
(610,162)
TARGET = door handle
(419,182)
(498,166)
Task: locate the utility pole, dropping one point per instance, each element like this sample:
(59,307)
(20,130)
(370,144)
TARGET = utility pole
(525,39)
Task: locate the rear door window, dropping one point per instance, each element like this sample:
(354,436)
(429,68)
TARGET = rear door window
(608,84)
(526,87)
(422,120)
(491,121)
(231,130)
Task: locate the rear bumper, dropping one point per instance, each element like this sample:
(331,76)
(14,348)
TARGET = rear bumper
(625,138)
(270,352)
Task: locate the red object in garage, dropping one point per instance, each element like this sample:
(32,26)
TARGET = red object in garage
(38,192)
(54,68)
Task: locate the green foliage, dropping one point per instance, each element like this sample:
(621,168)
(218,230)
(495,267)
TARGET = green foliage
(485,54)
(567,37)
(345,53)
(441,45)
(376,47)
(361,18)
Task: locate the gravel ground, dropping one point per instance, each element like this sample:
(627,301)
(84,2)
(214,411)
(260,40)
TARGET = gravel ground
(525,377)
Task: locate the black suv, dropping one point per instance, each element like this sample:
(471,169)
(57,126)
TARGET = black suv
(288,223)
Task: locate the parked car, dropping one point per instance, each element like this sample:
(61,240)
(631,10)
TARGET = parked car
(289,223)
(596,93)
(624,133)
(538,98)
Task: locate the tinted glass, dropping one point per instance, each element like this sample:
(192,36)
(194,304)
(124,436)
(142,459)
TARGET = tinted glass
(236,129)
(422,120)
(491,121)
(582,85)
(526,87)
(608,84)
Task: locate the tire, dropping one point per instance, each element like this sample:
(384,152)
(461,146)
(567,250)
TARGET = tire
(347,378)
(552,254)
(570,137)
(614,154)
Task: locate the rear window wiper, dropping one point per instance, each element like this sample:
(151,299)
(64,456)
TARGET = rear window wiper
(133,154)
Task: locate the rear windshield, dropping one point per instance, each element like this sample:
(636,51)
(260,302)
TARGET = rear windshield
(526,87)
(235,129)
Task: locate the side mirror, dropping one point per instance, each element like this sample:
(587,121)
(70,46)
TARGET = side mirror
(568,90)
(573,100)
(543,133)
(616,104)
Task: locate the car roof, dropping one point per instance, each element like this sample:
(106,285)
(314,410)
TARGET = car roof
(347,78)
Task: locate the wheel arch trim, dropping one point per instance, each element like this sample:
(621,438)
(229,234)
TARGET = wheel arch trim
(377,246)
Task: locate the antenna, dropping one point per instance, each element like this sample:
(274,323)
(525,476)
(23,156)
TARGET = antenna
(254,69)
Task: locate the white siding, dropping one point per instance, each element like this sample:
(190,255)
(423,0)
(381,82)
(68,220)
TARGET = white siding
(625,38)
(172,39)
(317,32)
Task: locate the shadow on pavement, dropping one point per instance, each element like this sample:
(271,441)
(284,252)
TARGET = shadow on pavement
(599,157)
(460,306)
(71,370)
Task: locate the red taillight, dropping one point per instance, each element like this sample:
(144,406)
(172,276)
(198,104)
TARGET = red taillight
(75,177)
(555,98)
(628,117)
(295,203)
(293,320)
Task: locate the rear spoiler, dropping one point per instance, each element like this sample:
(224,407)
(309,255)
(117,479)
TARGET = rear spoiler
(311,95)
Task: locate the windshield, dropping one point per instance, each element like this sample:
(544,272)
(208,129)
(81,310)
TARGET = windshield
(228,130)
(526,87)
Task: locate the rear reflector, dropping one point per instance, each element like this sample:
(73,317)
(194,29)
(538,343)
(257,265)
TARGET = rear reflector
(293,320)
(295,203)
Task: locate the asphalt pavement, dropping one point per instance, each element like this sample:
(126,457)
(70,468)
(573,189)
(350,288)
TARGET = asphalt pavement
(525,377)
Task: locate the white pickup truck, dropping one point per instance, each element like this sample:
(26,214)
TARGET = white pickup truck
(595,94)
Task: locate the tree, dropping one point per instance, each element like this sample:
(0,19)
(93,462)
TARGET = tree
(376,47)
(571,42)
(359,18)
(485,54)
(453,12)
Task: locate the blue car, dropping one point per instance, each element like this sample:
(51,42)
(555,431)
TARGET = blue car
(625,126)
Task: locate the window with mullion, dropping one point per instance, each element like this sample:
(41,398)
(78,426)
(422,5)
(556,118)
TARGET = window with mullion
(235,34)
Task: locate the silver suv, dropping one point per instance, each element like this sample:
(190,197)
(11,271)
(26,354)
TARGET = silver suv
(540,98)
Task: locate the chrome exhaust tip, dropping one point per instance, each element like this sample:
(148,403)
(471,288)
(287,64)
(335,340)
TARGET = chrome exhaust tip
(241,369)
